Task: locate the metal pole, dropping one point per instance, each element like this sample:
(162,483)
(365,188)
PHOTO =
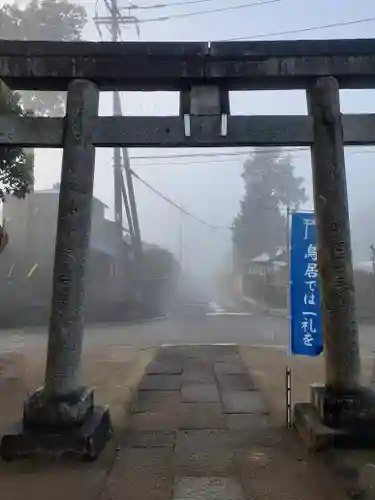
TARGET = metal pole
(288,372)
(372,249)
(288,213)
(288,397)
(334,246)
(127,207)
(117,151)
(138,252)
(181,238)
(133,205)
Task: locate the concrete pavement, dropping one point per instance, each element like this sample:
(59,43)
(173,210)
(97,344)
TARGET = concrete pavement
(199,429)
(181,434)
(245,330)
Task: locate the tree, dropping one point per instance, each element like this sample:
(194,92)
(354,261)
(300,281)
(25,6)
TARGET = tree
(49,20)
(16,166)
(270,187)
(159,263)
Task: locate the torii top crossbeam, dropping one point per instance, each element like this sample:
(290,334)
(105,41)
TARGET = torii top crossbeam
(137,66)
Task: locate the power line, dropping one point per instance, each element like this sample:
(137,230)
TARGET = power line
(186,164)
(302,30)
(318,27)
(204,155)
(104,20)
(233,157)
(167,5)
(173,203)
(189,214)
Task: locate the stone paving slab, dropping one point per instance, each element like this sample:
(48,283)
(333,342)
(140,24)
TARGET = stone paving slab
(157,421)
(207,488)
(161,383)
(200,376)
(267,473)
(208,439)
(195,365)
(243,421)
(201,352)
(204,463)
(243,402)
(196,440)
(200,393)
(140,474)
(195,417)
(148,439)
(168,367)
(230,368)
(202,416)
(228,382)
(156,401)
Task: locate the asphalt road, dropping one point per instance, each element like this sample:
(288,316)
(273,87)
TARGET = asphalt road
(250,330)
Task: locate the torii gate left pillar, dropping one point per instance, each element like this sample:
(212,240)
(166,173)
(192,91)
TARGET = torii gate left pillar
(61,417)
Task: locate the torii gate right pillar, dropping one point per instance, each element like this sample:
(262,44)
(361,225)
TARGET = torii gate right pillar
(342,403)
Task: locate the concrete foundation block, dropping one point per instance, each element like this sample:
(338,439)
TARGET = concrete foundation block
(84,441)
(353,410)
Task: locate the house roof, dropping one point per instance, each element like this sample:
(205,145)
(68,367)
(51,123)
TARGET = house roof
(365,266)
(262,258)
(56,192)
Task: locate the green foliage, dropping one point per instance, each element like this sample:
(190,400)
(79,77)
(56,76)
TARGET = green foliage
(16,165)
(270,187)
(52,20)
(49,20)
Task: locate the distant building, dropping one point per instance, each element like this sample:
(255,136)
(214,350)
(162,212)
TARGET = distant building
(26,266)
(273,268)
(262,279)
(32,223)
(26,263)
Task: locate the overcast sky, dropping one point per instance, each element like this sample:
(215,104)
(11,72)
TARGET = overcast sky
(213,190)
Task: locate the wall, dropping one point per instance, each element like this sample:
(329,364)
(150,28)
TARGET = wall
(32,225)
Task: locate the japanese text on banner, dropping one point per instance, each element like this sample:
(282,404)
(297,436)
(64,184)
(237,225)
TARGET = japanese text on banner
(306,325)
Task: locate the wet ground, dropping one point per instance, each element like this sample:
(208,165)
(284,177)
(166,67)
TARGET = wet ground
(231,328)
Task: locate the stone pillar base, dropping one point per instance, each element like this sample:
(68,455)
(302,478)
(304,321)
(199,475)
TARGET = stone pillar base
(44,411)
(56,426)
(352,410)
(337,419)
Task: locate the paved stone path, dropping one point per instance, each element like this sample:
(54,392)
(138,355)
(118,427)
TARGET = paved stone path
(198,429)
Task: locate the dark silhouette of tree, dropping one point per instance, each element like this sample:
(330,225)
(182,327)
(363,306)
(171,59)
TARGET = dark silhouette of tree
(52,20)
(159,263)
(270,187)
(16,165)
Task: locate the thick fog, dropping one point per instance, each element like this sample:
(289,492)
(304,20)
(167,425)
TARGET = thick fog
(211,187)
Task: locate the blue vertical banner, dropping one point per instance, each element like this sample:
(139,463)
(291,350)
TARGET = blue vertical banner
(305,311)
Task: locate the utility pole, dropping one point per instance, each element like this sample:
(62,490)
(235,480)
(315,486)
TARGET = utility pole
(117,167)
(120,191)
(137,240)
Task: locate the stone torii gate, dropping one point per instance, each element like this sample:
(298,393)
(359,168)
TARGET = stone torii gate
(62,416)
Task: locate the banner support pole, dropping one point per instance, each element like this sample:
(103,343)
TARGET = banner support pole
(288,369)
